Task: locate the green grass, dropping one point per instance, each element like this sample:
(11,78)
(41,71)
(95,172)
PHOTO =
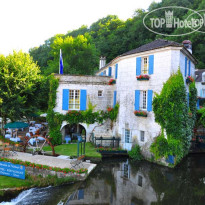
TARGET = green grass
(71,150)
(8,182)
(33,181)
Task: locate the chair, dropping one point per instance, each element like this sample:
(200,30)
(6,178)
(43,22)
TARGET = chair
(78,162)
(6,150)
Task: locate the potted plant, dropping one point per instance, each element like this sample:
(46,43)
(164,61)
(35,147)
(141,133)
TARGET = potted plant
(112,82)
(140,113)
(143,77)
(189,79)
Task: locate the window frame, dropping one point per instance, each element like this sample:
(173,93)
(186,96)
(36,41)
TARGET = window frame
(75,105)
(143,99)
(142,137)
(100,96)
(143,66)
(127,136)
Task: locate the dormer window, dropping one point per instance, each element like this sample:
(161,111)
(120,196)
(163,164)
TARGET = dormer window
(145,65)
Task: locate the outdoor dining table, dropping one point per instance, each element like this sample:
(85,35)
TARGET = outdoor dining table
(8,136)
(15,139)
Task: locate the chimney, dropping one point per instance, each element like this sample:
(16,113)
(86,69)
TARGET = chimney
(188,45)
(102,62)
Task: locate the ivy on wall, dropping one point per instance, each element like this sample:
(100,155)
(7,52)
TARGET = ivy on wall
(175,116)
(73,116)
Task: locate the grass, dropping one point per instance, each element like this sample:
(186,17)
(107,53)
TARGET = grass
(33,181)
(9,182)
(71,150)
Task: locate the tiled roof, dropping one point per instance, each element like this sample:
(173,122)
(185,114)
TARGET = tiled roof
(159,43)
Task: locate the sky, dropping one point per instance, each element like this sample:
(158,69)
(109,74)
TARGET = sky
(26,24)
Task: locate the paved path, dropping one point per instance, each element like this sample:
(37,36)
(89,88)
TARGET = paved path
(51,161)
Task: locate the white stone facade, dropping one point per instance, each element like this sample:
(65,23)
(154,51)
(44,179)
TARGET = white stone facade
(166,61)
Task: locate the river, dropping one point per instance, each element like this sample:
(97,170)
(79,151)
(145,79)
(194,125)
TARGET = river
(122,182)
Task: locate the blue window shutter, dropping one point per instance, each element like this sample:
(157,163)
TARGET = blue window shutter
(116,71)
(83,99)
(197,104)
(149,100)
(185,67)
(138,65)
(80,194)
(137,99)
(189,68)
(101,74)
(188,99)
(114,98)
(65,101)
(151,64)
(110,71)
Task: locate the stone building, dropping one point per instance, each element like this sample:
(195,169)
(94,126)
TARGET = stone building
(158,60)
(200,86)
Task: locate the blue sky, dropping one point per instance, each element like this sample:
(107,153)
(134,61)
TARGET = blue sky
(28,23)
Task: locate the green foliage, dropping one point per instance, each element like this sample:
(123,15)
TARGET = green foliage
(172,113)
(159,147)
(20,83)
(135,153)
(201,117)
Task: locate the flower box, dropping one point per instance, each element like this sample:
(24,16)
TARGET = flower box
(143,77)
(112,82)
(189,79)
(140,113)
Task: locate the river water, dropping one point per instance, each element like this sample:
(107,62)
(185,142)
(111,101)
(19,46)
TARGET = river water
(122,182)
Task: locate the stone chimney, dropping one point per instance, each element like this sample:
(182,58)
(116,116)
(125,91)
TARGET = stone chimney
(188,45)
(102,62)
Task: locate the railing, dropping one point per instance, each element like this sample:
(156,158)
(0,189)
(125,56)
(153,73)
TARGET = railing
(106,141)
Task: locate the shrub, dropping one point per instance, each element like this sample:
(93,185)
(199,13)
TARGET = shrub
(135,153)
(159,147)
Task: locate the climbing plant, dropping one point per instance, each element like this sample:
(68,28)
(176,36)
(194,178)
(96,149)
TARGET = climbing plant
(171,110)
(89,116)
(53,119)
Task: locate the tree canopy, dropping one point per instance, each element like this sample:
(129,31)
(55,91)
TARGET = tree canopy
(110,37)
(20,85)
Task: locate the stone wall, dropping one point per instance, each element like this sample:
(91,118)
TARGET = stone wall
(92,84)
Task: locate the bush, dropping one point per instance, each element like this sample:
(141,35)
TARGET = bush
(135,153)
(160,147)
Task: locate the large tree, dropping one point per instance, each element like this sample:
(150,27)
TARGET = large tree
(20,86)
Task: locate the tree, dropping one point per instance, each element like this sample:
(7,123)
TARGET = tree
(79,55)
(20,81)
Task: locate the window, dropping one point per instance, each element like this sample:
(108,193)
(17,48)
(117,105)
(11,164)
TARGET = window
(142,136)
(187,68)
(143,100)
(126,171)
(127,136)
(140,180)
(104,72)
(144,66)
(203,93)
(203,77)
(74,100)
(100,93)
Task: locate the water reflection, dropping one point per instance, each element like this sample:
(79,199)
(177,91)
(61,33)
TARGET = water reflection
(127,183)
(121,182)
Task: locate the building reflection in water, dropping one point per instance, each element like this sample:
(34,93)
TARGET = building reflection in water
(126,183)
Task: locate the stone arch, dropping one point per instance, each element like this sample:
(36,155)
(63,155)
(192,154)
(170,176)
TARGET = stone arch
(73,130)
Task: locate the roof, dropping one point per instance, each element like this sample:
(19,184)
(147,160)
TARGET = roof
(198,74)
(159,43)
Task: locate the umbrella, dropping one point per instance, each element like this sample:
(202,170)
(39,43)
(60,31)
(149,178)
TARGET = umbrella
(15,125)
(43,115)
